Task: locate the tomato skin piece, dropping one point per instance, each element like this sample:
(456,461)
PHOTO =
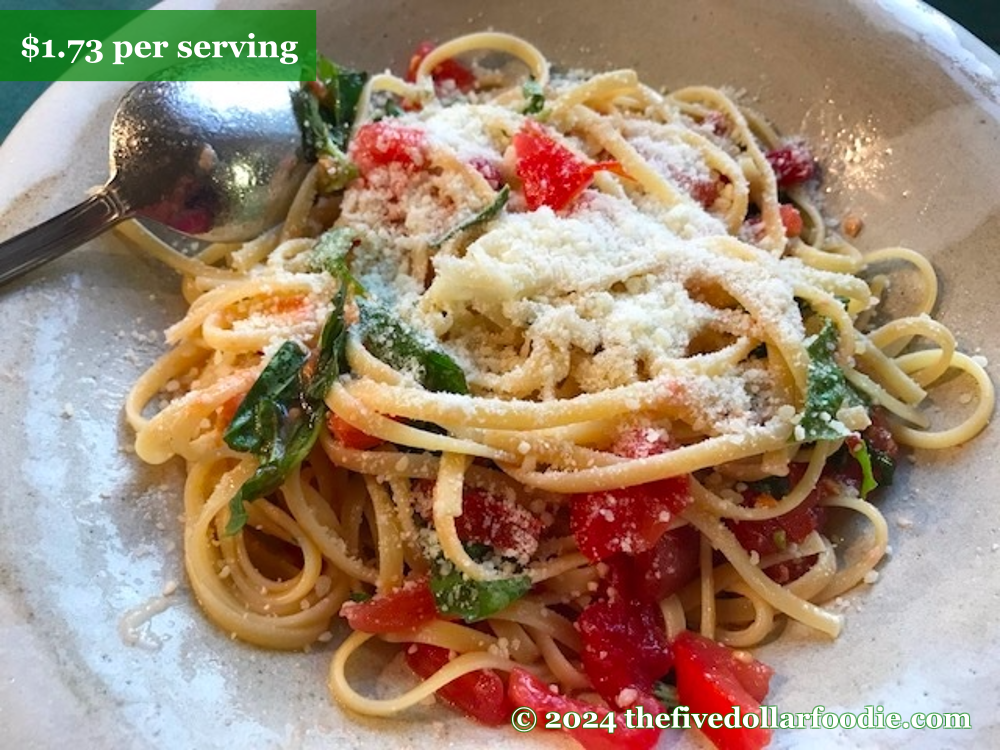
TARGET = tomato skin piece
(524,689)
(711,679)
(405,609)
(552,175)
(349,435)
(447,71)
(792,162)
(379,144)
(481,695)
(624,646)
(791,219)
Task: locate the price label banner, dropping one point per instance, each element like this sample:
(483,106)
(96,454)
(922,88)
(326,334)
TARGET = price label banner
(182,45)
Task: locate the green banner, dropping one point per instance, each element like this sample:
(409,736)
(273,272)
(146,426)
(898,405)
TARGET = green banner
(181,45)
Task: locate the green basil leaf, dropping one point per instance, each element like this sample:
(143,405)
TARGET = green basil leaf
(340,103)
(315,132)
(827,389)
(280,418)
(330,254)
(332,360)
(883,466)
(295,439)
(534,96)
(666,694)
(487,214)
(859,449)
(402,348)
(277,390)
(454,594)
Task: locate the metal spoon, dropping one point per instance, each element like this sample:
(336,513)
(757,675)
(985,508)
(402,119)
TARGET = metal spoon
(217,161)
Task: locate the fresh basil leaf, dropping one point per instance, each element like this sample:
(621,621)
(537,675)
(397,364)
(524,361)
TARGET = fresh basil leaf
(325,121)
(330,254)
(858,448)
(277,386)
(340,102)
(487,214)
(296,437)
(666,694)
(315,133)
(280,418)
(776,487)
(455,594)
(359,596)
(883,466)
(332,360)
(534,96)
(402,348)
(827,389)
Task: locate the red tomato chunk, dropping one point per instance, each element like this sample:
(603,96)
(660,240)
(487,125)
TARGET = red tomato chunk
(551,174)
(655,574)
(447,72)
(378,144)
(480,694)
(525,689)
(350,435)
(624,647)
(712,679)
(793,163)
(405,608)
(506,526)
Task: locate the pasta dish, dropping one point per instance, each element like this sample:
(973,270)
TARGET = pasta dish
(560,382)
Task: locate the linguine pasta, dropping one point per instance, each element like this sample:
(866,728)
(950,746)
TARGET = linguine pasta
(685,316)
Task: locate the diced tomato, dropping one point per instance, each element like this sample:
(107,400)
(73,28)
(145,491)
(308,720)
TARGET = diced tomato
(446,72)
(642,442)
(508,527)
(713,679)
(406,608)
(879,436)
(378,144)
(350,435)
(551,174)
(657,573)
(793,163)
(624,646)
(844,469)
(524,689)
(228,409)
(631,519)
(502,523)
(480,694)
(792,220)
(771,535)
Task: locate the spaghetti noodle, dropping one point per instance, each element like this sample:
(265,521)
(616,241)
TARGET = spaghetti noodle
(568,361)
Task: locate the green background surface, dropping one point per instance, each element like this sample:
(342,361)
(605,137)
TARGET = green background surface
(981,17)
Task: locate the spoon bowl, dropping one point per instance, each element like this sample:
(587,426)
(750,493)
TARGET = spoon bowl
(216,161)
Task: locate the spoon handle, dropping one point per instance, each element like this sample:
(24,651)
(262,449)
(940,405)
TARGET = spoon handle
(60,234)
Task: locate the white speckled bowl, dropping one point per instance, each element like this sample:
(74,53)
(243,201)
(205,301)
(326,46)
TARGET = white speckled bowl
(905,110)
